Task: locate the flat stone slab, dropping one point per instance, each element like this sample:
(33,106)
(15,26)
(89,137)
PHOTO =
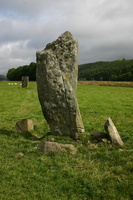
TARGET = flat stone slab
(113,133)
(47,146)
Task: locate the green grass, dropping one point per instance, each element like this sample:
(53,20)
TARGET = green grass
(91,174)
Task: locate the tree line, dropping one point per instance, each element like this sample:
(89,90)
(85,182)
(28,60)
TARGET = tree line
(118,70)
(26,70)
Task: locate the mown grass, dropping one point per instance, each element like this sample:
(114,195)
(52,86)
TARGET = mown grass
(91,173)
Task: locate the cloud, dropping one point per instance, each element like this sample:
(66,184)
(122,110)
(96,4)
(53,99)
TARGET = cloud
(103,28)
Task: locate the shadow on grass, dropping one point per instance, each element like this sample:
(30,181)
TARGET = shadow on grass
(26,135)
(7,132)
(34,137)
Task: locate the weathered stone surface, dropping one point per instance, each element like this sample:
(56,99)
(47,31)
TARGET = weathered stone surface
(47,146)
(56,74)
(72,149)
(25,81)
(24,125)
(113,133)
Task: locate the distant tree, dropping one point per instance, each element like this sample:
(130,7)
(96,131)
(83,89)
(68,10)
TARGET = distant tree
(114,77)
(10,74)
(26,70)
(32,71)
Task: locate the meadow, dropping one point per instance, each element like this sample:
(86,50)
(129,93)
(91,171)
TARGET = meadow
(91,174)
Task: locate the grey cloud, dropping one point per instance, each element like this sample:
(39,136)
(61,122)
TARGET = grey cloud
(103,28)
(22,7)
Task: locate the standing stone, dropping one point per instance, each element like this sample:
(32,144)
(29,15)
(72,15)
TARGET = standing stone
(25,81)
(56,74)
(113,133)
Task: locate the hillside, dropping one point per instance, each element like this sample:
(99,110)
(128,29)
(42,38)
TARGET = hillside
(118,70)
(3,78)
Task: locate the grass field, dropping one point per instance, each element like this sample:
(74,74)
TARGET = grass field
(91,174)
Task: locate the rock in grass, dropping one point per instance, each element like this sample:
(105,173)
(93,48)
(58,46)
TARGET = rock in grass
(47,146)
(20,154)
(25,81)
(24,125)
(113,133)
(104,140)
(92,146)
(99,135)
(56,74)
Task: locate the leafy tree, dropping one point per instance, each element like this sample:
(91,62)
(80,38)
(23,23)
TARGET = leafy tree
(10,74)
(26,70)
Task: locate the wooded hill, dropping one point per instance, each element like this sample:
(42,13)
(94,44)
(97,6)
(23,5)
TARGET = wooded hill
(3,78)
(118,70)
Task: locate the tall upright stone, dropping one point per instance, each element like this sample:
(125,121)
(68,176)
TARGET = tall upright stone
(56,74)
(25,81)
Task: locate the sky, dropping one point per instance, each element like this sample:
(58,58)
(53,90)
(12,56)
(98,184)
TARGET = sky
(104,29)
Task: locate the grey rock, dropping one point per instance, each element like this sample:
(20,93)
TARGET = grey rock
(113,133)
(25,81)
(56,74)
(105,141)
(24,125)
(69,148)
(47,146)
(92,146)
(99,135)
(52,139)
(20,154)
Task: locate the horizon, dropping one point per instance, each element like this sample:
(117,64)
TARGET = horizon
(123,59)
(103,29)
